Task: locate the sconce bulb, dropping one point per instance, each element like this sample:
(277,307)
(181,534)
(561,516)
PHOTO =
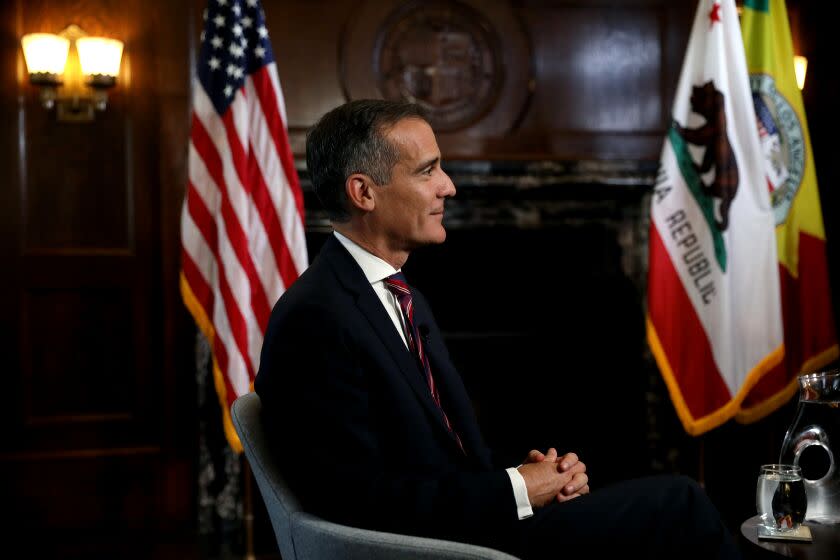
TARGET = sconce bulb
(99,56)
(45,53)
(800,67)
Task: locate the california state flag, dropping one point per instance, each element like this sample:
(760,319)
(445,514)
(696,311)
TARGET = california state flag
(714,319)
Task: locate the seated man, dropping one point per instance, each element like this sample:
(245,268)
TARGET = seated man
(375,426)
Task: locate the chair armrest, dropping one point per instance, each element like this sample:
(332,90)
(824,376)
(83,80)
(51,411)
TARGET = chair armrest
(316,538)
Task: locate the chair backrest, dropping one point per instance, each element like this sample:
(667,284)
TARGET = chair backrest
(279,500)
(302,536)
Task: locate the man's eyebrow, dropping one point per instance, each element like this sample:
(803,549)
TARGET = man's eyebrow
(426,164)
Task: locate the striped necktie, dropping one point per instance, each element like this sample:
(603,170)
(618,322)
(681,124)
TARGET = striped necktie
(399,287)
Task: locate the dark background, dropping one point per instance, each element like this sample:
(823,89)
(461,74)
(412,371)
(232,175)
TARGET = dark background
(101,419)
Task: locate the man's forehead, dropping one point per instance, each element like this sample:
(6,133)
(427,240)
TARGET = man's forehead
(414,138)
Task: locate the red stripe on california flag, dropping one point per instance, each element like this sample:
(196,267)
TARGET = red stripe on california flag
(271,112)
(273,229)
(259,300)
(808,319)
(682,336)
(199,286)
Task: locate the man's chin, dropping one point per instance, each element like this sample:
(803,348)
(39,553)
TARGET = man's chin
(435,238)
(439,237)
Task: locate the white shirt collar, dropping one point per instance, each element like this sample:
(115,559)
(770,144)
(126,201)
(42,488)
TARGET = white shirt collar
(375,269)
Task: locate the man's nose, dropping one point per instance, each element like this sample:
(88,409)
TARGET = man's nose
(448,188)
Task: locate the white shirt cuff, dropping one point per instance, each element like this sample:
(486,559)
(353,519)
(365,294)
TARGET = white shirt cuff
(520,493)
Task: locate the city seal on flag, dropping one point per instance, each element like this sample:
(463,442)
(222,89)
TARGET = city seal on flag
(782,143)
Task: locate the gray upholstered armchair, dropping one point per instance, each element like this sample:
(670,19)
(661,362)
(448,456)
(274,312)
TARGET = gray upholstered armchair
(302,536)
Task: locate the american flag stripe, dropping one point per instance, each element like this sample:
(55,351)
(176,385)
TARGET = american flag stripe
(200,288)
(230,174)
(264,83)
(205,224)
(231,294)
(222,360)
(260,165)
(198,240)
(279,250)
(211,139)
(230,226)
(196,279)
(239,313)
(238,372)
(259,302)
(243,241)
(280,240)
(232,219)
(201,222)
(275,159)
(272,76)
(221,357)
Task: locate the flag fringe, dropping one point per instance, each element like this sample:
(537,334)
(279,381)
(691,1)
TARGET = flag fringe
(771,404)
(698,426)
(206,327)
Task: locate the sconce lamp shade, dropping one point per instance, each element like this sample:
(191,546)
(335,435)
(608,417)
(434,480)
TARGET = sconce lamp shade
(45,54)
(800,66)
(99,58)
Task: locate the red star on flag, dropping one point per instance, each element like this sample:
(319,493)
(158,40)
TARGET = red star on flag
(714,14)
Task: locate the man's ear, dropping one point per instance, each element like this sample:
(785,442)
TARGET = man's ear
(358,188)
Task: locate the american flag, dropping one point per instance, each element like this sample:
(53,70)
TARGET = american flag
(242,234)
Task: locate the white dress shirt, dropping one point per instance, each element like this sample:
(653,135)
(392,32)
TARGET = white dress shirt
(376,271)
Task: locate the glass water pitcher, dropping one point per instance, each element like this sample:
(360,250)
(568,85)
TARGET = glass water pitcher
(813,443)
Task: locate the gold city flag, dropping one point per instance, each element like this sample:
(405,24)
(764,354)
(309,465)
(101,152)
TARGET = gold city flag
(809,333)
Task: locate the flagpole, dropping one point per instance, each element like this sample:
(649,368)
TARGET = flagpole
(249,512)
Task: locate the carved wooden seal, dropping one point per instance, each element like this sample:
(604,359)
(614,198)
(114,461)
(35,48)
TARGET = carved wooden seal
(442,55)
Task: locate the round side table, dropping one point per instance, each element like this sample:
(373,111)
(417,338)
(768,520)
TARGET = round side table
(825,546)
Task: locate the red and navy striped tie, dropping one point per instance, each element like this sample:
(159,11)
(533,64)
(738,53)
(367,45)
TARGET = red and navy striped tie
(399,287)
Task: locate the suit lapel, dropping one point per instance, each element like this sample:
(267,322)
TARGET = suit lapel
(452,390)
(351,276)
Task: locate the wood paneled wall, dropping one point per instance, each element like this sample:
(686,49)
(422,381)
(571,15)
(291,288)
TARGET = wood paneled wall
(98,418)
(99,414)
(577,79)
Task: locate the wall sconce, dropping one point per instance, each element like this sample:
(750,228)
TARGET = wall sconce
(73,71)
(800,66)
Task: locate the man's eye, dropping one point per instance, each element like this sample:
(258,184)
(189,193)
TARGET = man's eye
(428,170)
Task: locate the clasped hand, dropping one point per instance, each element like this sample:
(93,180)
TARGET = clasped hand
(551,478)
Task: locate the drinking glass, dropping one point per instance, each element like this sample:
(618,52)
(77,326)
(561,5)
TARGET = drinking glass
(780,497)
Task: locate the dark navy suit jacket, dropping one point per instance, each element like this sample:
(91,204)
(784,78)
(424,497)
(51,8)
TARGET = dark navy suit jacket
(358,434)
